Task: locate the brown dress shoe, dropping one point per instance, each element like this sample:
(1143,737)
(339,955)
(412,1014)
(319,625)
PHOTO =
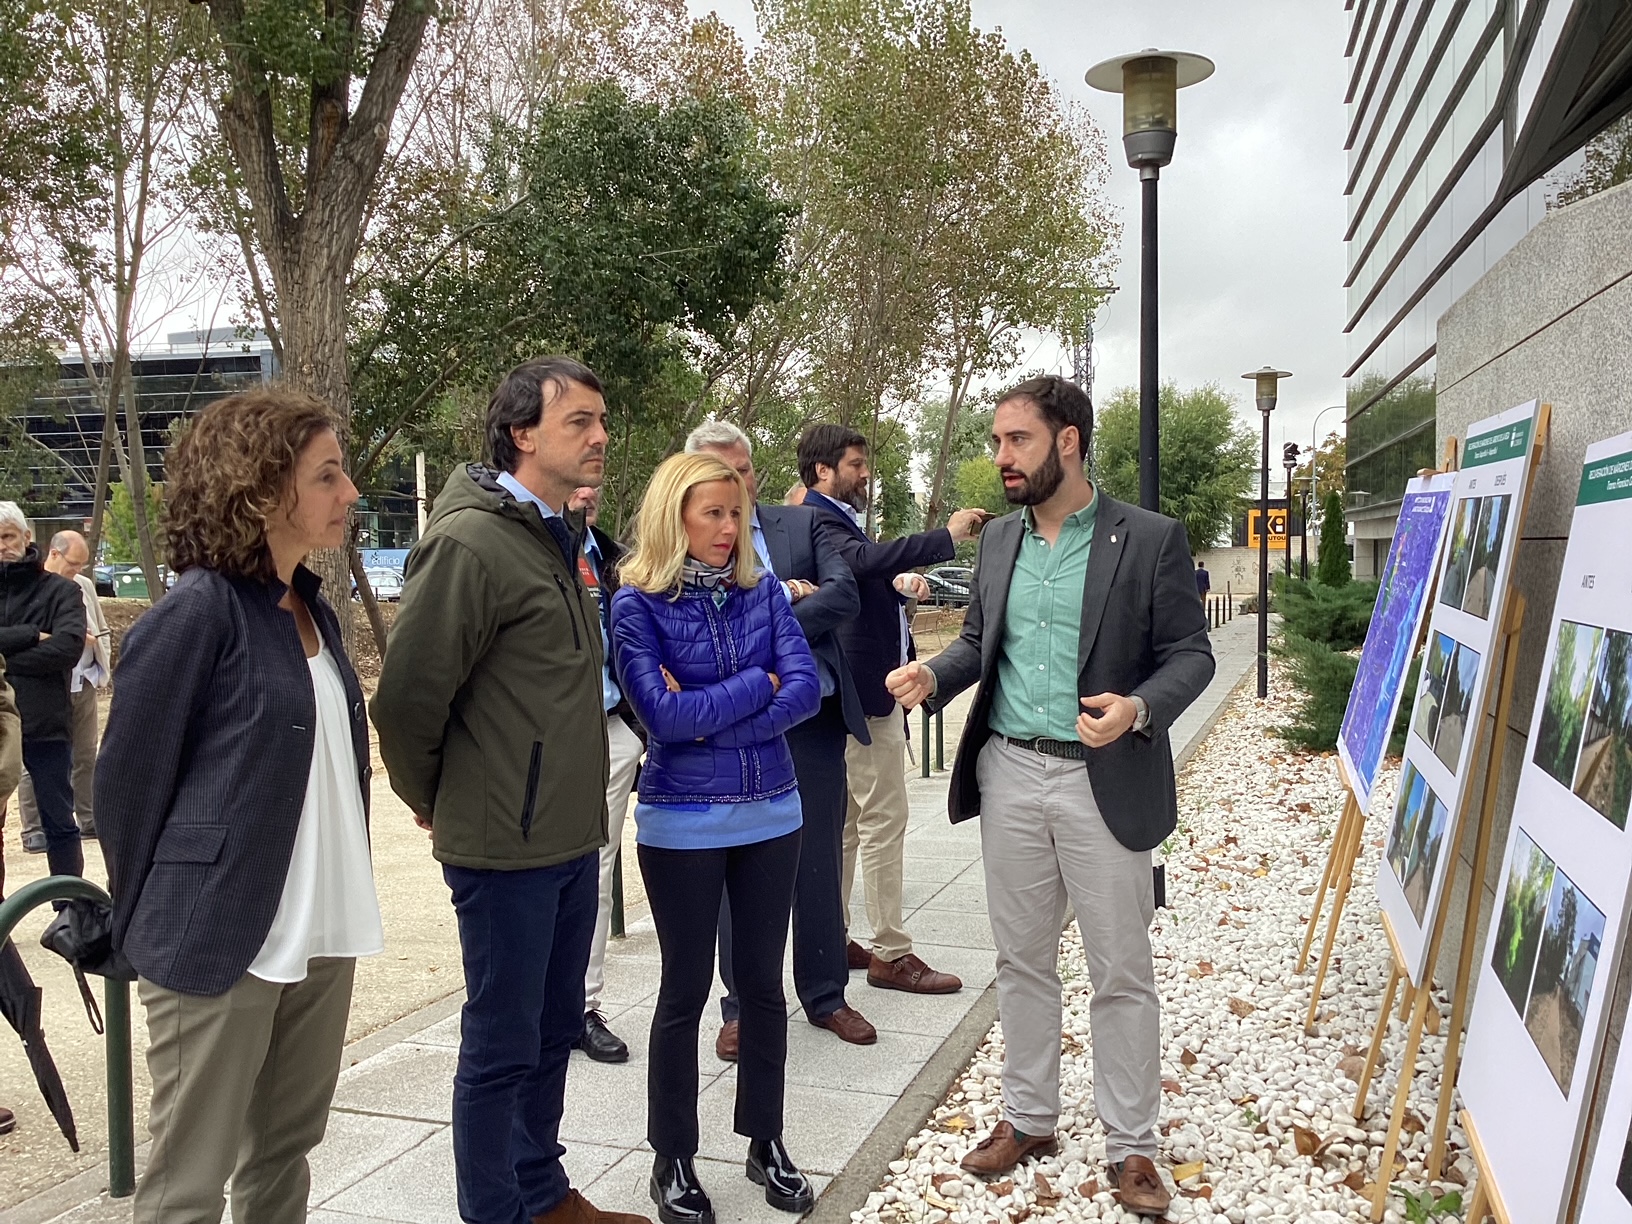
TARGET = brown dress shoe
(1004,1148)
(1139,1186)
(725,1045)
(847,1024)
(856,956)
(910,974)
(576,1209)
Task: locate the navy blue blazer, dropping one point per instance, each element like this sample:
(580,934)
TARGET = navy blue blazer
(202,774)
(872,641)
(800,549)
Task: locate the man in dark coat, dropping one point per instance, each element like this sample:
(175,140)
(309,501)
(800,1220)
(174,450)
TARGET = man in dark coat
(42,634)
(1087,641)
(833,465)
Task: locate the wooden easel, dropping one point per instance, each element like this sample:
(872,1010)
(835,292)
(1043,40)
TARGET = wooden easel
(1423,1004)
(1347,838)
(1486,1202)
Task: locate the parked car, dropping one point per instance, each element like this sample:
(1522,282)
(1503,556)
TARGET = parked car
(945,593)
(963,575)
(385,583)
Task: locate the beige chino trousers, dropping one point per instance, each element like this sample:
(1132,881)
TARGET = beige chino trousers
(241,1088)
(1044,842)
(875,831)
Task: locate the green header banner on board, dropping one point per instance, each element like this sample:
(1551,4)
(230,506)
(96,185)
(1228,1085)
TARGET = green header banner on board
(1606,480)
(1508,442)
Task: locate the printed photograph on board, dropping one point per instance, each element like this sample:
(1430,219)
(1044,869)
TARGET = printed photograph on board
(1455,582)
(1415,839)
(1562,987)
(1518,922)
(1603,775)
(1623,1178)
(1454,714)
(1431,688)
(1564,705)
(1487,556)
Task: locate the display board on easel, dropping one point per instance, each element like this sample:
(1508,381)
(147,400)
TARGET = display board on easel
(1368,720)
(1453,690)
(1396,624)
(1536,1031)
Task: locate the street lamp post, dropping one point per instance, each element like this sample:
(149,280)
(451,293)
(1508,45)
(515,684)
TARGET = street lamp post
(1149,82)
(1265,380)
(1289,460)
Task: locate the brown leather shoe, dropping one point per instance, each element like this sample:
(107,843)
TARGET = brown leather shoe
(725,1045)
(1139,1186)
(576,1209)
(912,975)
(1004,1148)
(847,1024)
(856,956)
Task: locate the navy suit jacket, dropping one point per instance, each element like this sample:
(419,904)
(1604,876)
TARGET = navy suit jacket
(872,641)
(799,549)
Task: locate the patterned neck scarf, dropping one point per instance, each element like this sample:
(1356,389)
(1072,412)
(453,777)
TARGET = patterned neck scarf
(717,580)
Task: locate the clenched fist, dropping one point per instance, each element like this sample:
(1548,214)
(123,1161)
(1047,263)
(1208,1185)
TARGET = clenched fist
(911,685)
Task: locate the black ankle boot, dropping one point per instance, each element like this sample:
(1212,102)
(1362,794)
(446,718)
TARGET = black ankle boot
(786,1188)
(678,1194)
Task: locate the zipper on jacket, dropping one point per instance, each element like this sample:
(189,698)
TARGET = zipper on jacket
(531,795)
(577,641)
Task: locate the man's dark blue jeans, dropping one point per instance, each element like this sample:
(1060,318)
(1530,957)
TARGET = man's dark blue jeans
(525,940)
(50,765)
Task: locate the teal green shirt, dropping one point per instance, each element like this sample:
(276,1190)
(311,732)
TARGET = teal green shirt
(1037,667)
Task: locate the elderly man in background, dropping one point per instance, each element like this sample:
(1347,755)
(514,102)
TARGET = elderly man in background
(42,636)
(68,557)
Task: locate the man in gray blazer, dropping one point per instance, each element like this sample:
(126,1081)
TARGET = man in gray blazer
(1087,641)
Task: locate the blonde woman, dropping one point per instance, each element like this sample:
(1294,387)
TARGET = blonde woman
(717,669)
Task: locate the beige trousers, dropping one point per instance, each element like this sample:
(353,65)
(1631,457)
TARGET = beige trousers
(83,731)
(875,830)
(625,748)
(241,1089)
(1043,843)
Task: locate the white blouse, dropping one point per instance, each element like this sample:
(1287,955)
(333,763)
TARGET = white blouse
(329,907)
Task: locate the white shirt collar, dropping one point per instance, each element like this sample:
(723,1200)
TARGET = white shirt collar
(522,493)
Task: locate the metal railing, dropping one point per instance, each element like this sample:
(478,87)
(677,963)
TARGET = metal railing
(116,1025)
(1220,610)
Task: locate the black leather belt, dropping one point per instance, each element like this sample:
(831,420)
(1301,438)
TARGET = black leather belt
(1071,750)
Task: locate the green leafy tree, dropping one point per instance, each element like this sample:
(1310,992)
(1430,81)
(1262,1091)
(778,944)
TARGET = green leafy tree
(1208,457)
(977,483)
(1333,568)
(1607,163)
(123,537)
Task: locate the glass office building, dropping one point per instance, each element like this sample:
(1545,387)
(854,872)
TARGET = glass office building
(1462,115)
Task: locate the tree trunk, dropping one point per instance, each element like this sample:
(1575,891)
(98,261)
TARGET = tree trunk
(962,371)
(371,606)
(99,493)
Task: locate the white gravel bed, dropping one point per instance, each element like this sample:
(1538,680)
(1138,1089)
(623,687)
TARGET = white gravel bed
(1256,1119)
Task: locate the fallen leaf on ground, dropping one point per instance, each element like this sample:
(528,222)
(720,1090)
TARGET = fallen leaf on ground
(1249,1099)
(940,1179)
(1184,1172)
(1003,1188)
(1305,1140)
(1355,1180)
(1412,1124)
(1303,807)
(1187,1058)
(1200,1192)
(1046,1193)
(1241,1007)
(1353,1066)
(1171,1085)
(956,1123)
(1206,968)
(1021,1216)
(1088,1188)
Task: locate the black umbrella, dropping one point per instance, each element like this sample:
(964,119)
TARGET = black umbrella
(20,1005)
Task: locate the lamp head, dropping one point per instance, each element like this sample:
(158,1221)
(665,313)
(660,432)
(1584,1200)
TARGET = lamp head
(1265,380)
(1149,82)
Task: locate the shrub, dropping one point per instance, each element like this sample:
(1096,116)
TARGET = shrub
(1333,616)
(1408,698)
(1333,567)
(1325,676)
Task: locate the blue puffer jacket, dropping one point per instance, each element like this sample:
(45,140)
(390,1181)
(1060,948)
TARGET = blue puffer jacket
(719,739)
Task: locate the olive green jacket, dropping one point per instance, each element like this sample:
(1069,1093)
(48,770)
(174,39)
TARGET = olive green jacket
(11,740)
(489,708)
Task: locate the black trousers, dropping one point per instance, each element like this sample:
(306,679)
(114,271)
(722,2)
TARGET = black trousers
(685,888)
(820,972)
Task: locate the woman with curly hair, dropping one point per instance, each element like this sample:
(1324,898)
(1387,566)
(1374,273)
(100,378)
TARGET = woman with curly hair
(234,774)
(717,669)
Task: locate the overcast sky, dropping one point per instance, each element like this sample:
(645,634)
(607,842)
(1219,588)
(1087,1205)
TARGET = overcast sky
(1252,208)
